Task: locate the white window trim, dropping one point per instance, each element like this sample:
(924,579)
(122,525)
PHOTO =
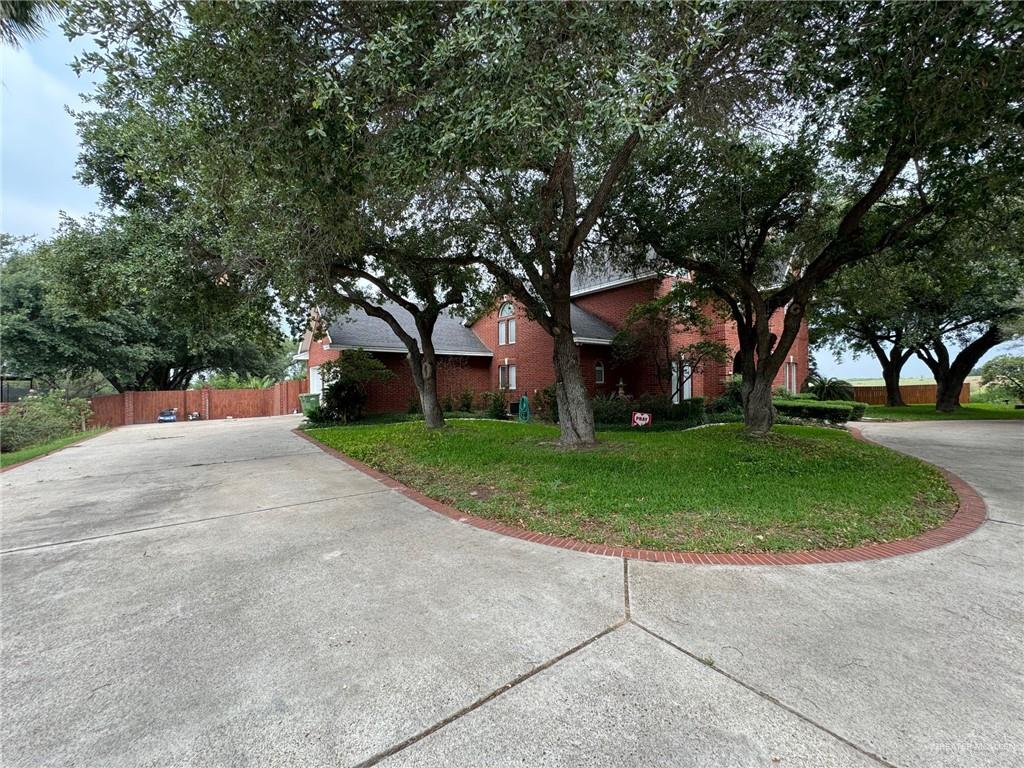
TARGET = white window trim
(502,333)
(510,331)
(508,373)
(599,372)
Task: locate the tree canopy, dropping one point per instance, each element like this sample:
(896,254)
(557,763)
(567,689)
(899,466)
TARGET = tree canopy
(355,154)
(123,297)
(897,117)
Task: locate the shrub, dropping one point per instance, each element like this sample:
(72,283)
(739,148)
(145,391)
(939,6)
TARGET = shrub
(691,410)
(782,393)
(1005,372)
(839,412)
(618,410)
(347,378)
(448,403)
(611,410)
(466,399)
(858,410)
(829,388)
(494,405)
(731,400)
(993,393)
(40,418)
(547,404)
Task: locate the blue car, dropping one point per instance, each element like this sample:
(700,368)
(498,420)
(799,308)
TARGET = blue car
(168,414)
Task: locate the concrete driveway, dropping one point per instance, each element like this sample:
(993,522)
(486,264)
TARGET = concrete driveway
(224,593)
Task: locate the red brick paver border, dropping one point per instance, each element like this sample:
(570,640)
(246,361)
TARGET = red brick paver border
(970,514)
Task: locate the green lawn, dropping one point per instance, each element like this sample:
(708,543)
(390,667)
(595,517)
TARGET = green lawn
(928,413)
(33,451)
(710,490)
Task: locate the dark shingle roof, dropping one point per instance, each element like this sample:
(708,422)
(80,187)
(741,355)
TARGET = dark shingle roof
(588,326)
(357,329)
(598,277)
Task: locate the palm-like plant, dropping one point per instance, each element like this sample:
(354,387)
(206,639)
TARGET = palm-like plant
(825,388)
(24,19)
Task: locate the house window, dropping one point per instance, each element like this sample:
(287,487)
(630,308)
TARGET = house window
(685,377)
(599,372)
(791,384)
(507,331)
(507,310)
(506,377)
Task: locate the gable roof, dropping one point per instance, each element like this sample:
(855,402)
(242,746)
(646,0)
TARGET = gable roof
(357,329)
(604,278)
(586,326)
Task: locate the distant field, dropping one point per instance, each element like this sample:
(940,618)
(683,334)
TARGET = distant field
(974,381)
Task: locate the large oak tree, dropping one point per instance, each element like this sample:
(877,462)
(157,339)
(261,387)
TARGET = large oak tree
(524,114)
(900,114)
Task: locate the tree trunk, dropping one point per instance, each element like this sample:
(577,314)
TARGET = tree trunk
(892,363)
(424,376)
(947,395)
(758,411)
(891,375)
(575,413)
(950,376)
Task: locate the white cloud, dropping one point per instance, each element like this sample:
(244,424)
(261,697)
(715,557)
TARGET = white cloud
(39,144)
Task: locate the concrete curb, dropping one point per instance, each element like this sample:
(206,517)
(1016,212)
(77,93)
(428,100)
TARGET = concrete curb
(970,514)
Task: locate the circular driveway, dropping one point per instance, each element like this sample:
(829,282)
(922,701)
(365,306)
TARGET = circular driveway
(224,593)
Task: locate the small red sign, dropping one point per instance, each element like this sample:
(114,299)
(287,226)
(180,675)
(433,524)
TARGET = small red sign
(641,419)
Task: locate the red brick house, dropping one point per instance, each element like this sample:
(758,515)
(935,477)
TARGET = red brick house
(503,349)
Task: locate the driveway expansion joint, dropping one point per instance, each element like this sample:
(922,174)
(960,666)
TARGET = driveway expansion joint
(767,697)
(971,513)
(625,588)
(415,738)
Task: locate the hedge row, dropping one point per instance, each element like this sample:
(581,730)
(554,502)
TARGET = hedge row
(838,411)
(618,411)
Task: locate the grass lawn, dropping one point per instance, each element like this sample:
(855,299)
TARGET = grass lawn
(928,412)
(707,490)
(33,451)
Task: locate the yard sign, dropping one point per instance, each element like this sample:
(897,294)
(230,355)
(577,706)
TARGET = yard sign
(641,419)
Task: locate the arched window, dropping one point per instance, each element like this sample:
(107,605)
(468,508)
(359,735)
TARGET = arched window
(507,328)
(599,372)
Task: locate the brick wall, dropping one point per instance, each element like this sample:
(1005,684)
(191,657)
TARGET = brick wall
(532,355)
(614,305)
(454,374)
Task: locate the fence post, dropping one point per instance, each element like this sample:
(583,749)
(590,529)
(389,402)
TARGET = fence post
(206,403)
(129,407)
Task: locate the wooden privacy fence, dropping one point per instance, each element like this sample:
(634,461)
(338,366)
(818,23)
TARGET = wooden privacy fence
(913,394)
(144,407)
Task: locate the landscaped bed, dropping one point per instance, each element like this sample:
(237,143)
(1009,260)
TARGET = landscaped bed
(703,490)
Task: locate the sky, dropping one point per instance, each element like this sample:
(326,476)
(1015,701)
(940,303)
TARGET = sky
(40,148)
(40,145)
